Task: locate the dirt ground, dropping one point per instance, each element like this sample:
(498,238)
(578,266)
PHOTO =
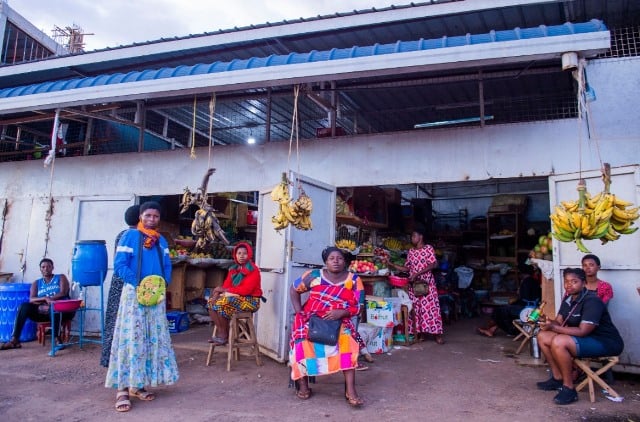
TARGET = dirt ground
(468,378)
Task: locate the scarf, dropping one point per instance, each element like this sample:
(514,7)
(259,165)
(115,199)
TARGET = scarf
(238,272)
(150,236)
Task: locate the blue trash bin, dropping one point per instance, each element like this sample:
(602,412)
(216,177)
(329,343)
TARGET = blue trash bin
(89,262)
(11,296)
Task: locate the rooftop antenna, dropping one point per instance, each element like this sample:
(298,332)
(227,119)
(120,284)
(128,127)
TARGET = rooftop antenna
(71,37)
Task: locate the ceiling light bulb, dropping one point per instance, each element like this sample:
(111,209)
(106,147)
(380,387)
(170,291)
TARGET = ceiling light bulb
(251,140)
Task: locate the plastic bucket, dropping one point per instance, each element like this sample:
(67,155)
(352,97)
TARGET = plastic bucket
(11,296)
(89,262)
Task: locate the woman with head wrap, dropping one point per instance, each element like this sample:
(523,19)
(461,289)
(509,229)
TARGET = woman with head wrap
(333,295)
(141,352)
(131,217)
(240,292)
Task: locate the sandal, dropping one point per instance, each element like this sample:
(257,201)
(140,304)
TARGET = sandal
(10,345)
(439,339)
(218,341)
(361,367)
(303,395)
(354,401)
(142,394)
(368,358)
(123,404)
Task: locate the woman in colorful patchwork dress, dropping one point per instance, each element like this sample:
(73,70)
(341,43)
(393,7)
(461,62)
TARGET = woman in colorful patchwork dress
(333,295)
(421,259)
(591,266)
(141,351)
(240,292)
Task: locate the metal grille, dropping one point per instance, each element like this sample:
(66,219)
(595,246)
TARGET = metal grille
(625,42)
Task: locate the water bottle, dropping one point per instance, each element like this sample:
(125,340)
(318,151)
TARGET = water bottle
(535,350)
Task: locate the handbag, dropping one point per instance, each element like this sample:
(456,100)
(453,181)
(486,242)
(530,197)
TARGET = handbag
(324,331)
(152,289)
(420,289)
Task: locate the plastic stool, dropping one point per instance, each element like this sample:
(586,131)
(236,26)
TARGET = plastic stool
(65,331)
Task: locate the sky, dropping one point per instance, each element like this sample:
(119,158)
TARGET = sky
(123,22)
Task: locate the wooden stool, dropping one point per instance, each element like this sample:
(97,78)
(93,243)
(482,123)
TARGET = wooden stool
(585,364)
(527,330)
(65,331)
(242,333)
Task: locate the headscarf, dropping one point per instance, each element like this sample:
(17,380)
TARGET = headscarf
(151,236)
(237,271)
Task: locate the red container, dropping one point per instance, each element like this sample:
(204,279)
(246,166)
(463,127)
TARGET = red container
(396,281)
(252,218)
(68,305)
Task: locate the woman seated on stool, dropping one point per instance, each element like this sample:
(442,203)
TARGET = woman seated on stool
(44,291)
(582,328)
(240,292)
(333,295)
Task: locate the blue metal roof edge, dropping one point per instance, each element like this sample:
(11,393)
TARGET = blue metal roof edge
(541,31)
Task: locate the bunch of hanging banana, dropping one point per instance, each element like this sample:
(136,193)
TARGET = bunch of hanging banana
(295,212)
(301,211)
(603,216)
(206,228)
(280,194)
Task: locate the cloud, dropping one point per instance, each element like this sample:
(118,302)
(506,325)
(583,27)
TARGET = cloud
(123,22)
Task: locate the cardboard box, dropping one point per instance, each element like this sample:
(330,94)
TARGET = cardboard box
(381,342)
(384,312)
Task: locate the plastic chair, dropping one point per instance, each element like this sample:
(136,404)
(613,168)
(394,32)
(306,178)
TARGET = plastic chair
(242,333)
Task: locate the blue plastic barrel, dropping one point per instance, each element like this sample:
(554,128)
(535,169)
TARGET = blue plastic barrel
(89,262)
(11,296)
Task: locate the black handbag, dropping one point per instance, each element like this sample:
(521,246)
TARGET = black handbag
(324,331)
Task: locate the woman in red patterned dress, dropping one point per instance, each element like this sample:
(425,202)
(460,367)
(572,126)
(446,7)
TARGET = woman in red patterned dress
(421,259)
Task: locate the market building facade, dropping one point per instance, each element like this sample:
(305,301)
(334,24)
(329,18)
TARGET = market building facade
(474,94)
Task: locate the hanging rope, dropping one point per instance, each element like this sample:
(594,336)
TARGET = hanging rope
(294,130)
(590,123)
(192,155)
(52,161)
(212,109)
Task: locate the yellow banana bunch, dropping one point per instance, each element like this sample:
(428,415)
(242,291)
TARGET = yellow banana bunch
(392,244)
(346,244)
(295,212)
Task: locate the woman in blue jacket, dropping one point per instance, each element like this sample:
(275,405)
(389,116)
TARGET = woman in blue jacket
(141,351)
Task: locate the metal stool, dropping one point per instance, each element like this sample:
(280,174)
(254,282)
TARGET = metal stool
(242,333)
(585,364)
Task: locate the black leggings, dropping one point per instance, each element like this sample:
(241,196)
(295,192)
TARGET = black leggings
(30,310)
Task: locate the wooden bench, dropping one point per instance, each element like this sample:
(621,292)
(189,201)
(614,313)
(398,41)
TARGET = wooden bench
(606,363)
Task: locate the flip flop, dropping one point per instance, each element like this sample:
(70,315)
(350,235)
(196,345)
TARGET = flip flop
(142,394)
(123,404)
(10,345)
(361,367)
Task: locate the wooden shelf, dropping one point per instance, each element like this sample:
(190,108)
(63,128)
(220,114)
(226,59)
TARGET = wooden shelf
(357,221)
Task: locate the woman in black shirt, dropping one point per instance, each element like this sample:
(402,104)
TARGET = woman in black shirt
(582,328)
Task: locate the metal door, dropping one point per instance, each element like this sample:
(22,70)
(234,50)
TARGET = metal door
(283,256)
